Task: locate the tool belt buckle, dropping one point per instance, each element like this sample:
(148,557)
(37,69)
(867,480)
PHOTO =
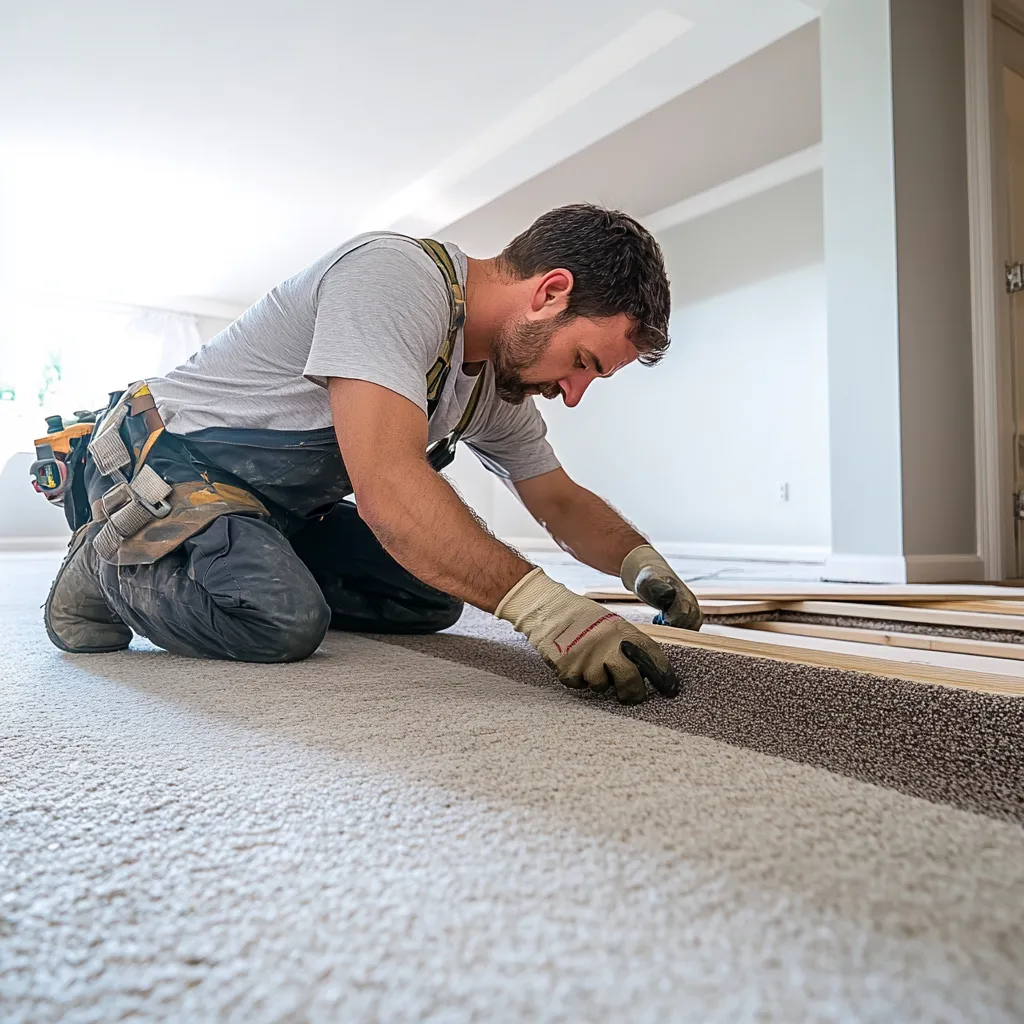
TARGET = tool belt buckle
(159,509)
(116,498)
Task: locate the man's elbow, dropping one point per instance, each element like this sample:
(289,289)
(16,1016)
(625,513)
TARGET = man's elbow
(383,496)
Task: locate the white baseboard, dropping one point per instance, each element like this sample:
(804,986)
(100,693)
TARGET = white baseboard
(903,568)
(865,569)
(944,568)
(52,543)
(781,553)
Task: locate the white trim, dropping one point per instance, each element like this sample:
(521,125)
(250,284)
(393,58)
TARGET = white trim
(944,568)
(782,554)
(903,568)
(425,197)
(57,542)
(865,569)
(789,168)
(989,503)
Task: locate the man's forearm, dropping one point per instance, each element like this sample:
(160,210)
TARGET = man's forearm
(425,527)
(591,530)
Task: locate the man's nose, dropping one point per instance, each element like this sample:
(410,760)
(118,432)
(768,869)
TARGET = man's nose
(574,385)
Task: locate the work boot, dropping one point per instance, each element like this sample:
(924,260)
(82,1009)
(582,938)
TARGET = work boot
(77,616)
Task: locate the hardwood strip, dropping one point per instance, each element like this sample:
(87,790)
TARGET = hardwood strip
(918,641)
(709,606)
(966,679)
(720,607)
(886,593)
(999,667)
(1010,607)
(907,613)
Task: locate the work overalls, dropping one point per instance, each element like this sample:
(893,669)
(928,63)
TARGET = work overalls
(239,544)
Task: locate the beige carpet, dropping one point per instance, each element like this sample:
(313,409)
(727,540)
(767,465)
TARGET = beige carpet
(382,834)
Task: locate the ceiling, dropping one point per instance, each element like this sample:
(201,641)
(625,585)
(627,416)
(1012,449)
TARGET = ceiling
(754,113)
(191,155)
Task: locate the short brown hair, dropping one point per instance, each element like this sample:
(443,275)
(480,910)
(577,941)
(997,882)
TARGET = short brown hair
(616,264)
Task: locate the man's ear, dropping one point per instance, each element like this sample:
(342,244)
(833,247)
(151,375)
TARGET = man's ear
(552,291)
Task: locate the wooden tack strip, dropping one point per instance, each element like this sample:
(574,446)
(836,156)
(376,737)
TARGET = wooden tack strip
(712,607)
(907,613)
(918,641)
(998,667)
(885,593)
(709,607)
(719,607)
(940,676)
(1010,607)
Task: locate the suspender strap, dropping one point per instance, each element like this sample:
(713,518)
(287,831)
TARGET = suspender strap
(437,375)
(467,416)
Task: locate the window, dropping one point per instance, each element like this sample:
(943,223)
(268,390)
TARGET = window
(61,355)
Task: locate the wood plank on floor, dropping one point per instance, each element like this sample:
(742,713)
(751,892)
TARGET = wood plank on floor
(724,643)
(906,613)
(932,659)
(886,593)
(717,607)
(918,641)
(1009,607)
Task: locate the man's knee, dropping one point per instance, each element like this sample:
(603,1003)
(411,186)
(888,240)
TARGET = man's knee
(440,614)
(446,615)
(276,610)
(294,629)
(235,591)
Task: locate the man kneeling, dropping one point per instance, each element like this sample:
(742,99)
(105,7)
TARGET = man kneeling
(211,507)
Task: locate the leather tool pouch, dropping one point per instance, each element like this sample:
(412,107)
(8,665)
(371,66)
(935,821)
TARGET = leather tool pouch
(194,505)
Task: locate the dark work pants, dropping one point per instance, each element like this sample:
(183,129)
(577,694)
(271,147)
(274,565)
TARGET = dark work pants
(240,590)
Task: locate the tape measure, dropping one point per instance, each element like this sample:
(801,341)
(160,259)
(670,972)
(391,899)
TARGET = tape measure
(49,473)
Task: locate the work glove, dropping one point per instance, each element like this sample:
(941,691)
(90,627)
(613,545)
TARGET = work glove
(653,580)
(586,644)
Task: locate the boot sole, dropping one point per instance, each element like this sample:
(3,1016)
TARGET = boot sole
(54,638)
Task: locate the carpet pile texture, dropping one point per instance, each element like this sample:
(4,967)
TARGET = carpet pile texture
(434,829)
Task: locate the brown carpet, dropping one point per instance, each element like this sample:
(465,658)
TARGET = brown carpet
(940,744)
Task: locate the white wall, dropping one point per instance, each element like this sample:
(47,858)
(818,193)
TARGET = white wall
(694,450)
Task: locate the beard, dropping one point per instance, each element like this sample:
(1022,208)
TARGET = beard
(516,348)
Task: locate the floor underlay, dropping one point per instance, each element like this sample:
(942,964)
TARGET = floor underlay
(431,828)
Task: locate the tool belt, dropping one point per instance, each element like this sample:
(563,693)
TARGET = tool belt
(144,517)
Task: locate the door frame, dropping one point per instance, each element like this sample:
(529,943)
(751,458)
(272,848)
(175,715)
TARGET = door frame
(992,338)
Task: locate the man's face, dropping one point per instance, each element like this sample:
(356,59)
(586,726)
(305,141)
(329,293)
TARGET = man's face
(554,357)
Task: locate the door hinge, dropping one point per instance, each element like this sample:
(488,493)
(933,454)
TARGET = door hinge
(1014,277)
(1018,504)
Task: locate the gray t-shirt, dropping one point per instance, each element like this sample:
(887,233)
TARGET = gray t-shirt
(377,309)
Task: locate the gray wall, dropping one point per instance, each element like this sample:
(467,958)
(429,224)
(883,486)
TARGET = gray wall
(860,254)
(897,258)
(936,369)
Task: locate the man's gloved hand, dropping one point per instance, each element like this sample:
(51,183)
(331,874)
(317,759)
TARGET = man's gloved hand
(653,580)
(586,644)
